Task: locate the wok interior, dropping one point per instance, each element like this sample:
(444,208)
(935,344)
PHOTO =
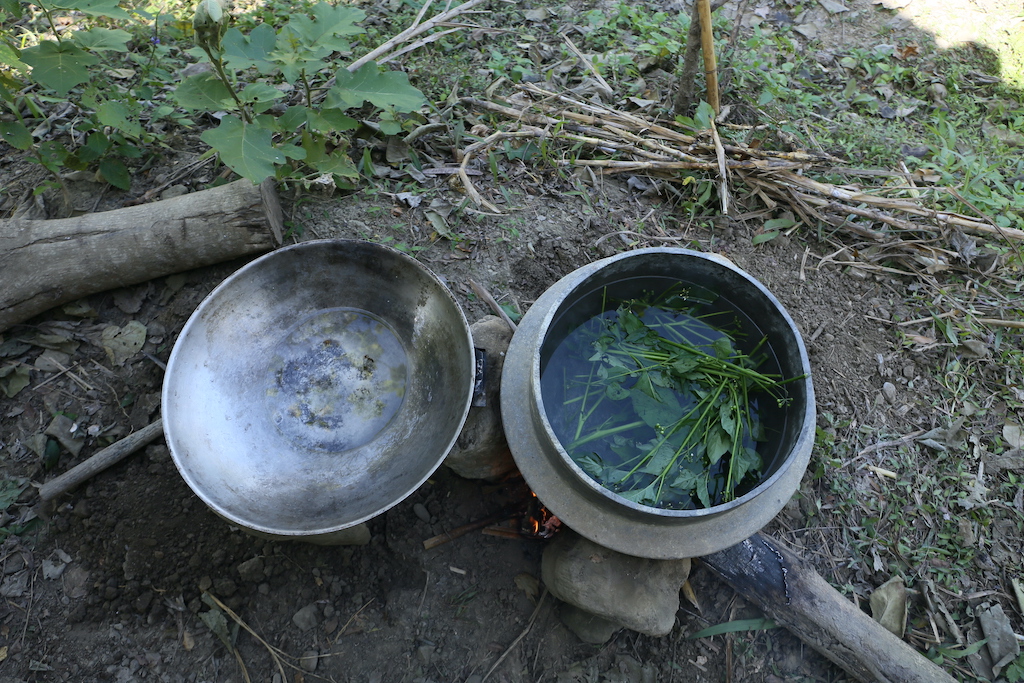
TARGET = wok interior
(222,433)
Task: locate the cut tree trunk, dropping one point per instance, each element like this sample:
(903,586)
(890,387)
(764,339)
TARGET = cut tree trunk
(47,263)
(786,589)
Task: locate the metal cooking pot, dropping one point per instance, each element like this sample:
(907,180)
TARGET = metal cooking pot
(317,387)
(588,507)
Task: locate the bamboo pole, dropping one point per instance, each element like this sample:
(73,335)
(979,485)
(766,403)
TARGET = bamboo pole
(707,43)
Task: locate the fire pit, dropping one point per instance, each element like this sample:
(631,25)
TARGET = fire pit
(595,511)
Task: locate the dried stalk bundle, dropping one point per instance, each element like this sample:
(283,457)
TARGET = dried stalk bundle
(895,218)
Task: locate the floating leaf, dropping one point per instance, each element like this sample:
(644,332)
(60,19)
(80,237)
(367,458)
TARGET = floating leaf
(59,67)
(245,148)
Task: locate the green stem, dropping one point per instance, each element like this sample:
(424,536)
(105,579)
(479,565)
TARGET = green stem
(600,434)
(218,66)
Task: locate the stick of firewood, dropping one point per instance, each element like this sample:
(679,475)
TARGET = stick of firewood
(789,591)
(111,455)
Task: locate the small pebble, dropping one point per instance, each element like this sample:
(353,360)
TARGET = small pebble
(889,392)
(308,660)
(421,512)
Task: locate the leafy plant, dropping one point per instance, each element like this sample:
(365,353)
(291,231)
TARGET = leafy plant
(657,404)
(82,67)
(262,134)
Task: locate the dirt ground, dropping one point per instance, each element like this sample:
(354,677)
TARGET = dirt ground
(108,586)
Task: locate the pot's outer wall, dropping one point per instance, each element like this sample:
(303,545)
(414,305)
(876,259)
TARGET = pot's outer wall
(586,506)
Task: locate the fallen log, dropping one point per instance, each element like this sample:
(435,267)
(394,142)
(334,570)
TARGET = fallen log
(45,263)
(789,591)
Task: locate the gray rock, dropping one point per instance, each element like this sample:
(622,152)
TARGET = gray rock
(639,593)
(889,392)
(421,511)
(481,451)
(309,660)
(252,571)
(307,618)
(588,627)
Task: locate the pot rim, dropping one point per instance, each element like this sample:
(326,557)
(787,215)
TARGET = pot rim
(590,482)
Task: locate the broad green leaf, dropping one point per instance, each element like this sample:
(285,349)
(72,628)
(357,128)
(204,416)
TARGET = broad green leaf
(664,410)
(718,444)
(293,151)
(701,490)
(704,115)
(96,145)
(336,163)
(747,460)
(293,118)
(15,134)
(116,173)
(103,39)
(253,50)
(763,237)
(327,26)
(294,58)
(59,67)
(204,92)
(764,98)
(369,84)
(730,423)
(616,392)
(640,496)
(247,149)
(685,364)
(592,465)
(261,95)
(12,7)
(659,461)
(723,347)
(94,8)
(119,116)
(9,56)
(686,480)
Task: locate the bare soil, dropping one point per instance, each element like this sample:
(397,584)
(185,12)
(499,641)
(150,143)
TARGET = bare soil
(107,586)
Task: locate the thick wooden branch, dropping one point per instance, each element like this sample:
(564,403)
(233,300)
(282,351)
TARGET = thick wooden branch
(786,589)
(48,263)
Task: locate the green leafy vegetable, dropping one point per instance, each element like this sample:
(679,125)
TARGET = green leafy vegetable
(659,405)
